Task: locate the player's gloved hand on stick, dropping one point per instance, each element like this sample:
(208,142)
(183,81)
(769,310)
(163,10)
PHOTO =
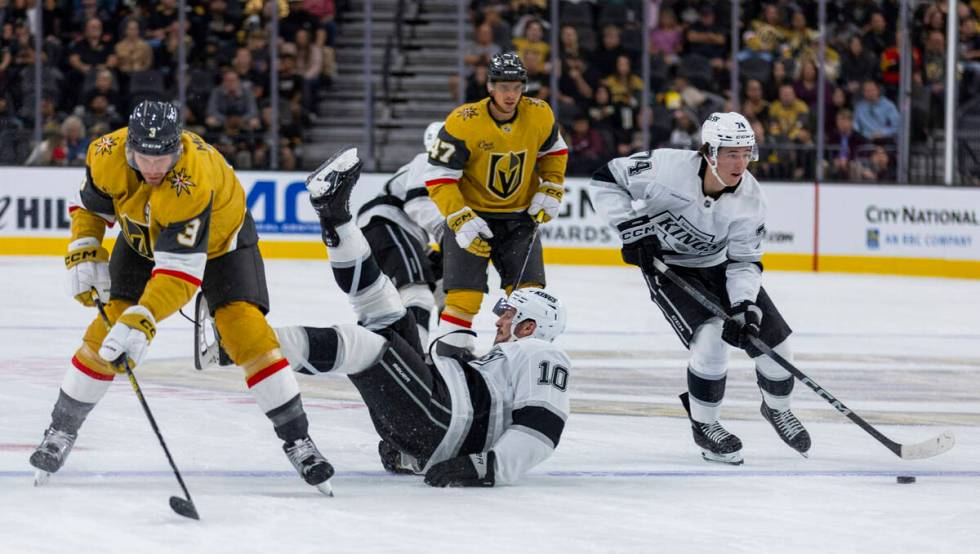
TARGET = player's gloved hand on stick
(471,231)
(640,242)
(130,336)
(546,203)
(88,267)
(473,470)
(745,322)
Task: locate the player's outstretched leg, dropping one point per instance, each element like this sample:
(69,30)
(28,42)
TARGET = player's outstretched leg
(330,187)
(716,443)
(776,385)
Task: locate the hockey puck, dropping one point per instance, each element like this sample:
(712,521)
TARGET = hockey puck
(905,479)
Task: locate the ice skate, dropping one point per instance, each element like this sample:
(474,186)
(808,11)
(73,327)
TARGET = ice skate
(788,428)
(51,454)
(330,187)
(717,444)
(310,464)
(208,351)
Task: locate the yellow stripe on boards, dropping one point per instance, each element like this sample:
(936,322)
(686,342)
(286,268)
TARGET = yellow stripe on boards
(273,249)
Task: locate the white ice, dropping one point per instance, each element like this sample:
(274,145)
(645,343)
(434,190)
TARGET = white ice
(902,352)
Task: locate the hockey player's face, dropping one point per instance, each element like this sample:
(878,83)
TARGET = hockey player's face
(507,94)
(732,163)
(154,168)
(504,325)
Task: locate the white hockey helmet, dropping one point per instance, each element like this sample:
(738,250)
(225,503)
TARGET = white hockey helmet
(431,132)
(547,312)
(730,129)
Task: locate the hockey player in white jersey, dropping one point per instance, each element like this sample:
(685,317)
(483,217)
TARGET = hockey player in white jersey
(476,423)
(704,214)
(400,223)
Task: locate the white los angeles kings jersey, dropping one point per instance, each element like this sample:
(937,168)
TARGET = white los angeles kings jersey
(695,230)
(513,400)
(405,194)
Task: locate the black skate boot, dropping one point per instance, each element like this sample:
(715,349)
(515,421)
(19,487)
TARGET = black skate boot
(396,461)
(717,444)
(330,187)
(51,454)
(788,428)
(310,464)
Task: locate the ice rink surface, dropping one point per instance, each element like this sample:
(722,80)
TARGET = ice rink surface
(902,352)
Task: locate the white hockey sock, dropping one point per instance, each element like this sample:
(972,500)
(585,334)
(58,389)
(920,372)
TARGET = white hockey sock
(273,386)
(353,246)
(83,384)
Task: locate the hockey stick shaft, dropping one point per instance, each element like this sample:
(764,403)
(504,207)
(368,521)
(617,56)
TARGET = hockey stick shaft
(527,258)
(717,310)
(188,509)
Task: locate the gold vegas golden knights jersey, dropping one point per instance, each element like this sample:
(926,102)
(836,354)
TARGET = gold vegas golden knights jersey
(192,216)
(494,166)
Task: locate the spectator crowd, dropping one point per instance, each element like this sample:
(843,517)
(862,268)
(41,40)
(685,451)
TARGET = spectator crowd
(101,57)
(599,92)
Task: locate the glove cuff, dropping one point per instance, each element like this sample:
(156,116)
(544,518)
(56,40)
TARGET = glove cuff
(139,318)
(85,249)
(553,190)
(456,220)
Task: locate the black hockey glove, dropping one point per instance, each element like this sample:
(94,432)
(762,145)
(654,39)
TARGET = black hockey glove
(745,322)
(473,470)
(640,242)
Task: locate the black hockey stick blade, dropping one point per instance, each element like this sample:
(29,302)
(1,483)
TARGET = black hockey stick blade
(184,507)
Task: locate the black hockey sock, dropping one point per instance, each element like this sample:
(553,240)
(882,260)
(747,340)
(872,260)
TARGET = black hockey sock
(289,420)
(707,391)
(775,388)
(69,414)
(365,270)
(422,316)
(323,342)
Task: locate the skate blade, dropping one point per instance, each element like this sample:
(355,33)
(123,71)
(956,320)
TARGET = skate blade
(734,459)
(41,478)
(325,488)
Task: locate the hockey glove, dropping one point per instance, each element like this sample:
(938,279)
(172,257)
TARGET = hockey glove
(88,268)
(745,322)
(474,470)
(471,231)
(640,242)
(546,203)
(130,336)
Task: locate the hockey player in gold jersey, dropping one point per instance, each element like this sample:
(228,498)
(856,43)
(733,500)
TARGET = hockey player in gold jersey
(496,171)
(183,225)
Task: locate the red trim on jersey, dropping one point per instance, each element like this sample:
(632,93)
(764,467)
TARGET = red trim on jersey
(179,275)
(260,376)
(93,374)
(444,181)
(71,209)
(456,321)
(561,152)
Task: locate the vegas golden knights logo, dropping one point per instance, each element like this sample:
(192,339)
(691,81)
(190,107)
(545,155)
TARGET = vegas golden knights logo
(137,235)
(506,172)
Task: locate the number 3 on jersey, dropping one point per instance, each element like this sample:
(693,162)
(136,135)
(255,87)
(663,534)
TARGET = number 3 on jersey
(556,376)
(188,237)
(441,151)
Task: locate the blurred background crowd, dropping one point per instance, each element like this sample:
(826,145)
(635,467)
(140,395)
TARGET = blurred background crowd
(102,56)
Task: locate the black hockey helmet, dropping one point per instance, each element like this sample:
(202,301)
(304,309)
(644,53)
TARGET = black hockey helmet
(154,129)
(507,67)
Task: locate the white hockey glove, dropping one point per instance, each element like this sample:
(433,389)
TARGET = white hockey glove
(471,231)
(130,336)
(474,470)
(88,267)
(546,203)
(745,322)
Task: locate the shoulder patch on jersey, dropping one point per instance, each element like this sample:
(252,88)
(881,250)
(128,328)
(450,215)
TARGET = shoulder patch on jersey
(467,113)
(104,146)
(180,182)
(485,145)
(535,102)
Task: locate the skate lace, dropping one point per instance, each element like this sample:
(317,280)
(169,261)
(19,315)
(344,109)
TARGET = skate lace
(715,432)
(787,422)
(59,439)
(301,450)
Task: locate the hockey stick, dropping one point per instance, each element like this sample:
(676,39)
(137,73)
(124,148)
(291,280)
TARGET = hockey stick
(925,449)
(183,506)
